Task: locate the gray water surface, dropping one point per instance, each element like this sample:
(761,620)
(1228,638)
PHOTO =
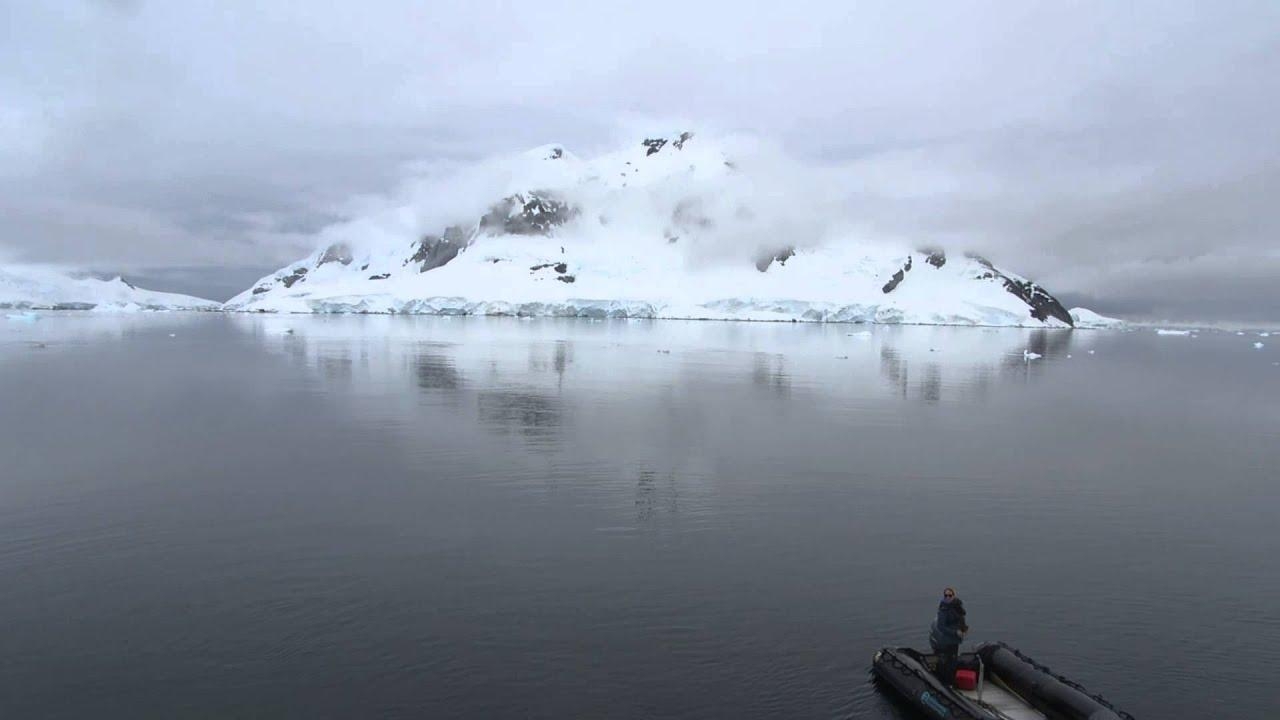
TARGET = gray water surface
(312,517)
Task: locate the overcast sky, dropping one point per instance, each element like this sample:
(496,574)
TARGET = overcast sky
(1122,153)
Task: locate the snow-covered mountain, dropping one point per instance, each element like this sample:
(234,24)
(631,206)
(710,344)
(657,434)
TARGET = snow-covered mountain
(45,288)
(671,227)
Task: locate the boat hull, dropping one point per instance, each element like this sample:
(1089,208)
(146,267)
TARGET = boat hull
(911,675)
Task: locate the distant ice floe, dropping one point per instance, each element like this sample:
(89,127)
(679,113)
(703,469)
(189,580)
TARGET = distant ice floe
(1164,331)
(1028,356)
(1259,345)
(25,317)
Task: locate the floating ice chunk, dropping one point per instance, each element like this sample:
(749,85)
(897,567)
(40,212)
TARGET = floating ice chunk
(1091,352)
(1028,356)
(1264,334)
(1163,331)
(1068,356)
(1259,346)
(24,317)
(1239,332)
(861,335)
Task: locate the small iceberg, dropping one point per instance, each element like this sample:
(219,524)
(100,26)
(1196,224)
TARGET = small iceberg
(1259,345)
(23,317)
(1163,331)
(1028,356)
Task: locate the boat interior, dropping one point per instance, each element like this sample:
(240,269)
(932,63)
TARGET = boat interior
(991,692)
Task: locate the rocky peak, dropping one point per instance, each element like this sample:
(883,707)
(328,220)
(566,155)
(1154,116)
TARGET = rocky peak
(537,213)
(433,251)
(655,145)
(337,252)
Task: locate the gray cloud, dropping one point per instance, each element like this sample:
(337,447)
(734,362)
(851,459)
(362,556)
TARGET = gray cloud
(1123,153)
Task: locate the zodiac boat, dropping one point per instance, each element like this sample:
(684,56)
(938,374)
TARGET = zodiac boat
(994,682)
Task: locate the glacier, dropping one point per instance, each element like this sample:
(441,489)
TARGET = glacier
(676,227)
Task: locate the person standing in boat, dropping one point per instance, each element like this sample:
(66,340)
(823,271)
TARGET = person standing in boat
(946,633)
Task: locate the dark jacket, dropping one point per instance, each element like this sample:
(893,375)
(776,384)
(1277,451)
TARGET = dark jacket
(946,629)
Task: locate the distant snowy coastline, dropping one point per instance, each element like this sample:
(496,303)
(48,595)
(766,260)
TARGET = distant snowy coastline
(28,287)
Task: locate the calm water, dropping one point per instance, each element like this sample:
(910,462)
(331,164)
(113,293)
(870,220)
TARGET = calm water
(209,516)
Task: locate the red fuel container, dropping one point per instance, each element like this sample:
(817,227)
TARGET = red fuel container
(966,679)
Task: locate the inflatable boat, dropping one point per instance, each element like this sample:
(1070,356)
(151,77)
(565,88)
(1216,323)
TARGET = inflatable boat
(994,682)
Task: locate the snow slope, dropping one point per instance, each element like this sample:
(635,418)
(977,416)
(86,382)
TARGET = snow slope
(45,288)
(1086,318)
(671,227)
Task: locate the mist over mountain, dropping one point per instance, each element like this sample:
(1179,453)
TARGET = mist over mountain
(679,225)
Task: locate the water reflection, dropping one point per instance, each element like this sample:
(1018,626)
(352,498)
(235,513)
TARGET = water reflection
(769,371)
(531,379)
(927,371)
(436,372)
(656,494)
(535,416)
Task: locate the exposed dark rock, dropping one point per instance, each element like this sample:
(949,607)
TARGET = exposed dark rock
(260,290)
(764,260)
(654,145)
(893,284)
(382,276)
(299,274)
(556,153)
(566,278)
(684,138)
(671,239)
(937,258)
(364,267)
(1043,305)
(74,306)
(436,250)
(536,214)
(897,277)
(337,252)
(560,268)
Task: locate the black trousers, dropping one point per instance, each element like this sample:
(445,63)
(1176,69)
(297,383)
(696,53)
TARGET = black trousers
(947,662)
